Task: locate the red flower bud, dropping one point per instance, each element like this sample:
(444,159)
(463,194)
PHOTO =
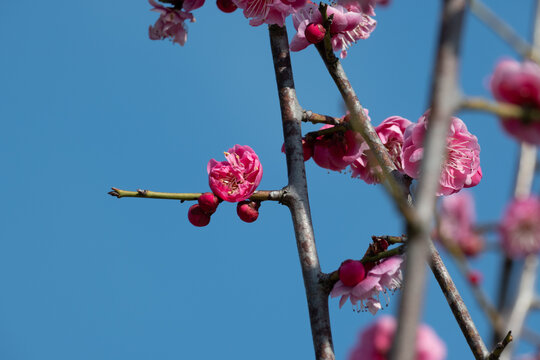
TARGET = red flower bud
(248,211)
(197,216)
(351,272)
(315,33)
(227,6)
(208,202)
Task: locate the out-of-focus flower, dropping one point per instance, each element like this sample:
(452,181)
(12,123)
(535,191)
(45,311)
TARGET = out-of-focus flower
(171,21)
(462,166)
(367,6)
(529,357)
(268,11)
(518,83)
(456,223)
(390,132)
(348,26)
(384,277)
(237,178)
(520,227)
(227,6)
(375,341)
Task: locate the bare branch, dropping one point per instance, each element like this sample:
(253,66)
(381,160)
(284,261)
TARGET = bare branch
(261,195)
(309,116)
(297,196)
(500,346)
(504,110)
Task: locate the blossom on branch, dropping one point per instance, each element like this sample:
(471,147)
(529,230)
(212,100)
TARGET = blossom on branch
(520,227)
(381,278)
(367,6)
(519,84)
(237,178)
(375,341)
(462,165)
(390,132)
(268,11)
(456,223)
(171,21)
(337,150)
(349,25)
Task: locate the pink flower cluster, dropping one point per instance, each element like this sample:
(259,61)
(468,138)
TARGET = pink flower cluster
(375,341)
(338,150)
(383,277)
(268,11)
(233,180)
(456,224)
(518,83)
(349,25)
(520,227)
(171,21)
(462,166)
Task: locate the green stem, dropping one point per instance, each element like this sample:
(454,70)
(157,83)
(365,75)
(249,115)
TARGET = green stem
(262,195)
(504,110)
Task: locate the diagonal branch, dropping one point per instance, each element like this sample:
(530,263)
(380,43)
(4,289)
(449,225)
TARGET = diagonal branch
(297,196)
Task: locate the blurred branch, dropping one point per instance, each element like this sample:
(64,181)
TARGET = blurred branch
(309,116)
(296,197)
(261,195)
(504,110)
(505,32)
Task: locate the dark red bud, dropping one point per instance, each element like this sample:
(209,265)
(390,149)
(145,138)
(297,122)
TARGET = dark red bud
(315,33)
(227,6)
(208,202)
(248,211)
(351,272)
(197,216)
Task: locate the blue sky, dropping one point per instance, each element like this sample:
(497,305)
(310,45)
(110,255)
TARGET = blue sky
(87,102)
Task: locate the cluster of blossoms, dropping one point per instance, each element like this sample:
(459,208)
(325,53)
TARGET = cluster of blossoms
(232,180)
(404,143)
(456,224)
(520,227)
(363,284)
(375,341)
(351,19)
(519,84)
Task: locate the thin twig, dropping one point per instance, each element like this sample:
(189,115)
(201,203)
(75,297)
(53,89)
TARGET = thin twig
(297,196)
(315,134)
(501,28)
(500,346)
(261,195)
(309,116)
(504,110)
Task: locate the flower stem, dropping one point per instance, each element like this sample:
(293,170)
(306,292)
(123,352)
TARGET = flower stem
(261,195)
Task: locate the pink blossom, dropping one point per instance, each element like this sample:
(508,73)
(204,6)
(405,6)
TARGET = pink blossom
(456,224)
(375,341)
(268,11)
(518,83)
(384,277)
(367,6)
(462,165)
(348,26)
(337,150)
(237,178)
(520,227)
(170,23)
(390,132)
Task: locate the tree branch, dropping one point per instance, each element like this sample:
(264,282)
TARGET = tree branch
(500,346)
(504,110)
(309,116)
(297,196)
(261,195)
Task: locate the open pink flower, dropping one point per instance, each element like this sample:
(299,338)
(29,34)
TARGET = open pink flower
(384,277)
(462,166)
(520,227)
(518,83)
(367,6)
(268,11)
(349,25)
(337,150)
(375,341)
(390,132)
(237,178)
(456,225)
(171,21)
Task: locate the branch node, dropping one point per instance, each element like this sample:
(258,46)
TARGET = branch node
(501,345)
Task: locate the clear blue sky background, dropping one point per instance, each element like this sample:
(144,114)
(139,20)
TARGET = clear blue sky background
(87,102)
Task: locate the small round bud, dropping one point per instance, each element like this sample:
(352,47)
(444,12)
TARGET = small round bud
(351,272)
(315,33)
(475,277)
(208,202)
(197,216)
(227,6)
(248,211)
